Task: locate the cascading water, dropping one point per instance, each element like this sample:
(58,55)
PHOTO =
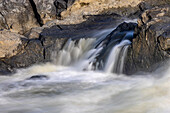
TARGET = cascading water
(65,88)
(72,51)
(84,52)
(116,58)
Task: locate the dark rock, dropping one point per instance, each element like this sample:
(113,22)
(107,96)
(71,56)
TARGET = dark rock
(38,77)
(5,69)
(115,37)
(62,5)
(126,27)
(150,48)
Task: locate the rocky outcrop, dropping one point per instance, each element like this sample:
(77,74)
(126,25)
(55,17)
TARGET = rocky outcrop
(51,9)
(151,45)
(18,51)
(81,10)
(20,16)
(17,16)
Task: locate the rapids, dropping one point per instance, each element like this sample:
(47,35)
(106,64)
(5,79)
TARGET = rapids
(70,91)
(76,85)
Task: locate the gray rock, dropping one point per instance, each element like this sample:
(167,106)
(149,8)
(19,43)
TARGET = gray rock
(17,16)
(51,9)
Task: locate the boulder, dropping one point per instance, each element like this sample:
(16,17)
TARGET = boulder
(151,47)
(17,16)
(18,51)
(9,43)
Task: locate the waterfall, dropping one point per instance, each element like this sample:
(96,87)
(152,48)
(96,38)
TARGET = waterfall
(95,53)
(116,57)
(72,51)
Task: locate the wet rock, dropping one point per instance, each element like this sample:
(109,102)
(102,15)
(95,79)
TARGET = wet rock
(38,77)
(17,16)
(151,46)
(124,31)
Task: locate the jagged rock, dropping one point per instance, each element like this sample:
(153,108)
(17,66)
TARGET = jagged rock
(75,14)
(9,43)
(51,9)
(34,33)
(17,16)
(17,51)
(151,45)
(33,52)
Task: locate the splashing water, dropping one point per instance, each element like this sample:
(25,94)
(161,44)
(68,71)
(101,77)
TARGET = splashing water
(70,91)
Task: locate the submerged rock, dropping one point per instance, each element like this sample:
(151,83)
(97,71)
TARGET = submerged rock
(151,46)
(38,77)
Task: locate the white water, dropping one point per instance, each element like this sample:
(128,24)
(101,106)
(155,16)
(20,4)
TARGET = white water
(113,59)
(70,89)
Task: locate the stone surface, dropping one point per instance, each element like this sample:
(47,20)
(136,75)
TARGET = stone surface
(17,16)
(51,9)
(9,43)
(19,52)
(75,14)
(34,33)
(151,46)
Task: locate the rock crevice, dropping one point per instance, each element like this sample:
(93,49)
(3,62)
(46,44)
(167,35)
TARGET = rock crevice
(37,15)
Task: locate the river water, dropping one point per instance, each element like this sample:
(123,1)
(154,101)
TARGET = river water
(70,91)
(72,85)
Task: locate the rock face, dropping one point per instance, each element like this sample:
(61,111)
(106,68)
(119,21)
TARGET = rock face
(24,52)
(9,43)
(17,16)
(151,45)
(81,8)
(51,9)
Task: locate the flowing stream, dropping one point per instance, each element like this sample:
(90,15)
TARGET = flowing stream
(74,83)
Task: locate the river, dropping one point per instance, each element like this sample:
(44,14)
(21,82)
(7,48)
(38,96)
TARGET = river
(69,85)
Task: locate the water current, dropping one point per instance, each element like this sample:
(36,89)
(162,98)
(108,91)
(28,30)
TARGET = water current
(73,84)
